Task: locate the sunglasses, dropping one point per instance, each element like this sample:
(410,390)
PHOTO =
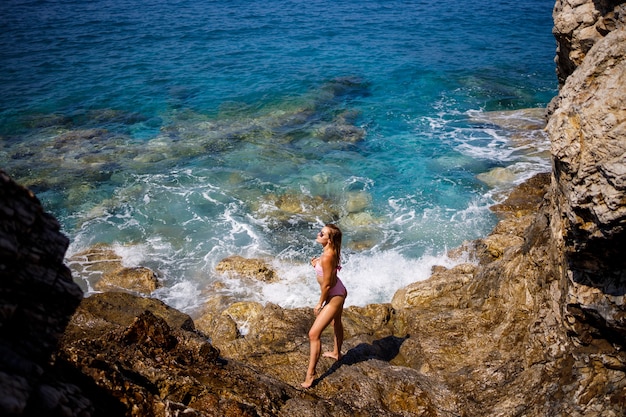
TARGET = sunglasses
(321,234)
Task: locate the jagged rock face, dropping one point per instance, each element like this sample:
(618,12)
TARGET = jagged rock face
(588,132)
(474,340)
(578,25)
(139,357)
(37,298)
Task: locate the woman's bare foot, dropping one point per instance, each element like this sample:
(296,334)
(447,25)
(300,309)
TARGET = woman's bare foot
(308,381)
(336,357)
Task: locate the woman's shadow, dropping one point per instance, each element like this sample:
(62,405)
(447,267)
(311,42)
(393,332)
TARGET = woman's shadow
(384,349)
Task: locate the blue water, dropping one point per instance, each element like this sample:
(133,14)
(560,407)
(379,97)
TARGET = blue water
(182,132)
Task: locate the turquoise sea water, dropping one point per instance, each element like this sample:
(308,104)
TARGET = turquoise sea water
(182,132)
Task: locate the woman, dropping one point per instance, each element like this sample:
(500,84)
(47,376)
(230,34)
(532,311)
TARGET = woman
(333,294)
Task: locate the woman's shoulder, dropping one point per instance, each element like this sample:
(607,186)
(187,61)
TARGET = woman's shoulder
(329,258)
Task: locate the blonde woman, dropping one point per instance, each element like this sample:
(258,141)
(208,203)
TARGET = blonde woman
(333,294)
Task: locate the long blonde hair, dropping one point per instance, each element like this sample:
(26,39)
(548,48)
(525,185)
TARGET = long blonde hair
(334,239)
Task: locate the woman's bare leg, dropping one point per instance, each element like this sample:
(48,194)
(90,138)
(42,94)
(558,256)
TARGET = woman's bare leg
(323,319)
(338,334)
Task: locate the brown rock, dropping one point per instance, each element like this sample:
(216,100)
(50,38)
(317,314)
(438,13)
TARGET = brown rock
(372,319)
(588,142)
(155,363)
(438,290)
(224,320)
(102,268)
(138,279)
(589,203)
(525,198)
(580,24)
(247,268)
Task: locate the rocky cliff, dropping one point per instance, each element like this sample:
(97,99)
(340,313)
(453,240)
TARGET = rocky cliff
(588,132)
(37,299)
(534,327)
(580,24)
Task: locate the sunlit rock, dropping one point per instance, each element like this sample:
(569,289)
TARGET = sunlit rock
(589,148)
(219,327)
(578,25)
(102,269)
(437,290)
(238,266)
(137,279)
(525,198)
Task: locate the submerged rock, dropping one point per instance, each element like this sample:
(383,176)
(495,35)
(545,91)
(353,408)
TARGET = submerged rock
(345,87)
(497,176)
(357,201)
(40,121)
(291,207)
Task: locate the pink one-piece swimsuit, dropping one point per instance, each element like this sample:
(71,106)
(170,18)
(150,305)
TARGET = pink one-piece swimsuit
(338,288)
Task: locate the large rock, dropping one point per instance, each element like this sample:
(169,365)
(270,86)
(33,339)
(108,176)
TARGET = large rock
(101,269)
(588,132)
(37,298)
(588,135)
(580,24)
(365,382)
(142,358)
(152,362)
(238,266)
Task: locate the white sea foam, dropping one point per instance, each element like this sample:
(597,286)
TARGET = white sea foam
(185,296)
(371,277)
(135,255)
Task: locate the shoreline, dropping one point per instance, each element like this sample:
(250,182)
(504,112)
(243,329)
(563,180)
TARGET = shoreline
(526,126)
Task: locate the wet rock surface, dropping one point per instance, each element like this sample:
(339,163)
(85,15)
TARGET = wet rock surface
(100,268)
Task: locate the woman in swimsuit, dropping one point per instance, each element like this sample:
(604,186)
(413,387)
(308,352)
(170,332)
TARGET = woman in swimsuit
(333,294)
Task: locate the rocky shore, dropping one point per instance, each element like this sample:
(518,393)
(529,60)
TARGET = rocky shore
(535,326)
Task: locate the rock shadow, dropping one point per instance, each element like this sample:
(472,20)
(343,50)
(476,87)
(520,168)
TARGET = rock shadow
(384,349)
(600,263)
